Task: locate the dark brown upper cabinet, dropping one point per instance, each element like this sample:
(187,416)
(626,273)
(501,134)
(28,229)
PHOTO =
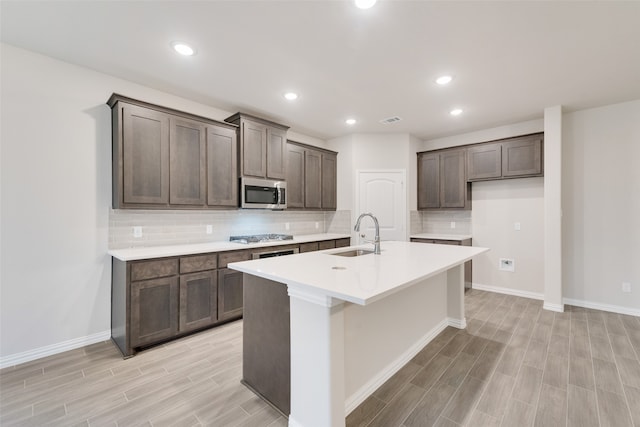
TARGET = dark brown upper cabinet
(222,167)
(329,180)
(442,180)
(517,157)
(141,159)
(311,177)
(168,159)
(262,146)
(187,160)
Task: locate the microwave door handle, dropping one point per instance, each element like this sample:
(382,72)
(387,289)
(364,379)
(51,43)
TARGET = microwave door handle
(278,202)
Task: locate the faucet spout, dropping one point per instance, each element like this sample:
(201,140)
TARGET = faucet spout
(376,240)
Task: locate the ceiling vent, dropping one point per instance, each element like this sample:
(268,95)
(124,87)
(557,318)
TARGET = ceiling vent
(389,120)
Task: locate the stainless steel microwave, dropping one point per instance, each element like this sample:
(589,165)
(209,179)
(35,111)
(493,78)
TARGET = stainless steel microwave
(256,193)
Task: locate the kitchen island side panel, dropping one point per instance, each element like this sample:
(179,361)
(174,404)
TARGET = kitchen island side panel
(119,309)
(382,337)
(266,357)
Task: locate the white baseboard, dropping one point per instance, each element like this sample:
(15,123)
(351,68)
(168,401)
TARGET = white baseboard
(293,423)
(457,323)
(353,401)
(604,307)
(553,307)
(50,350)
(508,291)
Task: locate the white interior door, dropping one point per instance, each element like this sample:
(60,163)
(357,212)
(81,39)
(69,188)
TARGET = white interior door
(382,193)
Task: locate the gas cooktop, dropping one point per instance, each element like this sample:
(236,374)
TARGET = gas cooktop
(259,238)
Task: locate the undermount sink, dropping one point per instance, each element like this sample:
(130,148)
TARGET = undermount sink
(353,252)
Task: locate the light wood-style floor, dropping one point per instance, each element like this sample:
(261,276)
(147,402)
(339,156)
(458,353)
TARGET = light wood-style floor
(517,365)
(514,365)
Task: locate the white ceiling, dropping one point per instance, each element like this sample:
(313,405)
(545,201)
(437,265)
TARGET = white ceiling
(510,59)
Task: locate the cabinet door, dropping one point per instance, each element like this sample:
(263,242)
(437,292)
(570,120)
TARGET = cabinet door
(295,176)
(484,161)
(254,149)
(229,294)
(522,156)
(154,310)
(145,155)
(187,174)
(198,300)
(428,180)
(329,187)
(222,170)
(276,153)
(312,179)
(308,247)
(452,179)
(326,244)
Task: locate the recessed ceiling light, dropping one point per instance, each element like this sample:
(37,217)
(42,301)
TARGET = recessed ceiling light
(455,112)
(350,121)
(291,96)
(365,4)
(443,80)
(183,48)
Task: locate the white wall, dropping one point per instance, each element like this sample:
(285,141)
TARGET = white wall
(55,200)
(497,206)
(601,205)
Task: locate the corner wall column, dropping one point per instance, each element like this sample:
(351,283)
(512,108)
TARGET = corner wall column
(553,209)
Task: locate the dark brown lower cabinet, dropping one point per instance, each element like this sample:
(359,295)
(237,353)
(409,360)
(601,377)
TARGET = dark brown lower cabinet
(230,294)
(154,310)
(155,300)
(198,300)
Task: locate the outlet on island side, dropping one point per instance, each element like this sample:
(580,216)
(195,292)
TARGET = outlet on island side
(626,287)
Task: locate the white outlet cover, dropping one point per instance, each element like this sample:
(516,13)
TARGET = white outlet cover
(507,264)
(286,225)
(137,231)
(317,225)
(209,228)
(626,287)
(516,226)
(453,224)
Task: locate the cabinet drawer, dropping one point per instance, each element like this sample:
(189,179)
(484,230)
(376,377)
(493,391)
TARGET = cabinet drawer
(342,243)
(422,240)
(225,258)
(326,244)
(308,247)
(198,263)
(448,242)
(152,269)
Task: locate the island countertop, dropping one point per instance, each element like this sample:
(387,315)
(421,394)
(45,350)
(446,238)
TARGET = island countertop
(362,279)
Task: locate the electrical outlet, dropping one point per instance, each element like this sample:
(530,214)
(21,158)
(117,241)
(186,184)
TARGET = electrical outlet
(626,287)
(286,225)
(137,232)
(516,226)
(507,264)
(317,225)
(453,224)
(209,228)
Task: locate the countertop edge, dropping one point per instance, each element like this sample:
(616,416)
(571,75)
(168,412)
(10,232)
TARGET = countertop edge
(149,252)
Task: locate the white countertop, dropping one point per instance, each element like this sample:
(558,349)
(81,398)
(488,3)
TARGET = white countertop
(132,254)
(457,237)
(361,279)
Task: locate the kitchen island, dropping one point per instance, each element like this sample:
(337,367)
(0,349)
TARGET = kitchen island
(353,321)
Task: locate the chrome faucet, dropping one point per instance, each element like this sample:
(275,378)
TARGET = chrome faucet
(376,239)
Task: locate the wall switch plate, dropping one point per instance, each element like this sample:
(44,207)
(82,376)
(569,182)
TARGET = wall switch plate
(516,226)
(453,224)
(626,287)
(209,228)
(137,232)
(286,225)
(507,264)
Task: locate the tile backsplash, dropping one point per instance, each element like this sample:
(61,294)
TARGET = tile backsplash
(174,227)
(439,222)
